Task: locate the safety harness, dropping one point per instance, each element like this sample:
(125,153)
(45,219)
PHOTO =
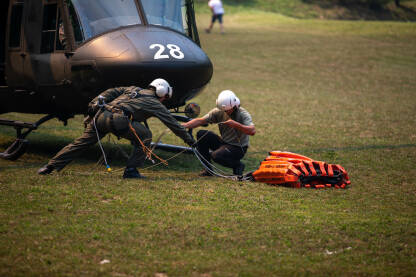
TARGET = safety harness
(120,110)
(297,171)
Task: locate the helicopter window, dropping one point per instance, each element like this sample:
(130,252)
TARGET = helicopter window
(184,17)
(75,24)
(99,16)
(15,25)
(167,13)
(60,34)
(49,28)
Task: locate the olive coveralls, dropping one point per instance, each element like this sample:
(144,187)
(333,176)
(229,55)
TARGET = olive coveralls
(140,104)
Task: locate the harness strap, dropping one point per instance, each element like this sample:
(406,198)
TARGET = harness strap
(321,167)
(295,170)
(303,168)
(330,170)
(311,167)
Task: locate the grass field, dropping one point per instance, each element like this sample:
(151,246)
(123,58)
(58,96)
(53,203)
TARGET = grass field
(341,92)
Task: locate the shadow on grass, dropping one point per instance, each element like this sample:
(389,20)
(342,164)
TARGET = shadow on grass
(116,154)
(44,146)
(47,145)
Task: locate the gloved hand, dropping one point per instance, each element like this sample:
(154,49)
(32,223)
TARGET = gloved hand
(92,109)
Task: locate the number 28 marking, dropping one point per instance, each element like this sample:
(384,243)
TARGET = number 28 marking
(174,51)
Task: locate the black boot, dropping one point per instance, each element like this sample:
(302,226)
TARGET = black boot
(132,173)
(46,169)
(239,169)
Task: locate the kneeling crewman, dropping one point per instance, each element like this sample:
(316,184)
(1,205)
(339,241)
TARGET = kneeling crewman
(126,105)
(235,125)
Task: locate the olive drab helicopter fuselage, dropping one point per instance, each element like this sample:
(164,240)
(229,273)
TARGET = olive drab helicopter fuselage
(57,55)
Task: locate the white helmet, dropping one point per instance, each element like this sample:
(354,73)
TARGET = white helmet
(227,100)
(162,88)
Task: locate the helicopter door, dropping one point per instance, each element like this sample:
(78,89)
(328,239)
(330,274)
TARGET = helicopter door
(15,56)
(4,8)
(48,66)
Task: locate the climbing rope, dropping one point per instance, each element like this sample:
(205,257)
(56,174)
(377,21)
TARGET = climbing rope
(148,152)
(101,146)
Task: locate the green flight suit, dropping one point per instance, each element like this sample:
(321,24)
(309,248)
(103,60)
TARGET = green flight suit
(141,104)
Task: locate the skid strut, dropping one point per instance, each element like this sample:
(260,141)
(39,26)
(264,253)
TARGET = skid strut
(171,147)
(19,146)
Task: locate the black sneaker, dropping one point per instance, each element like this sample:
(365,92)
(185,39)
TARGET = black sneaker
(205,173)
(132,173)
(46,169)
(238,170)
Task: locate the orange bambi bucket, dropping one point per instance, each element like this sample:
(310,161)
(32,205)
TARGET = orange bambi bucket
(297,171)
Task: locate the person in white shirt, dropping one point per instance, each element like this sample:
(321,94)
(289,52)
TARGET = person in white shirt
(217,13)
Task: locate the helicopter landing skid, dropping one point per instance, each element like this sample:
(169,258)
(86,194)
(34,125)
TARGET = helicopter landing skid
(19,146)
(172,148)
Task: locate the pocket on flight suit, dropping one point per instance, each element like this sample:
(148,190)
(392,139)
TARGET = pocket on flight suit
(120,124)
(103,122)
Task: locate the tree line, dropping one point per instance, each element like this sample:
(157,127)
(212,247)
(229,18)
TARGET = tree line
(369,3)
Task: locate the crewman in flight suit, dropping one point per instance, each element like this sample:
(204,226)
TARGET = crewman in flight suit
(124,104)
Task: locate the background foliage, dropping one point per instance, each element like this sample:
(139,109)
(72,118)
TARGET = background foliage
(329,9)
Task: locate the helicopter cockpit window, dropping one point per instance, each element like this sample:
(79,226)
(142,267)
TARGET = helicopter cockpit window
(73,17)
(99,16)
(167,13)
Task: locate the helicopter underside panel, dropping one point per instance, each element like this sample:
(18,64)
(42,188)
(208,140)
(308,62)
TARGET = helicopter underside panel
(45,102)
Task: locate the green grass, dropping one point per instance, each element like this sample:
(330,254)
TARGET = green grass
(342,92)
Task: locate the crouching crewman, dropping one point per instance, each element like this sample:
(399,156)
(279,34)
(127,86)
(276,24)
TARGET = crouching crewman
(235,126)
(125,106)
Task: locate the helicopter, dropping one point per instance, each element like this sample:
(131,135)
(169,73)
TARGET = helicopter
(57,55)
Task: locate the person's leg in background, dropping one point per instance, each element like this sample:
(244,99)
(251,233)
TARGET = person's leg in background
(221,23)
(213,18)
